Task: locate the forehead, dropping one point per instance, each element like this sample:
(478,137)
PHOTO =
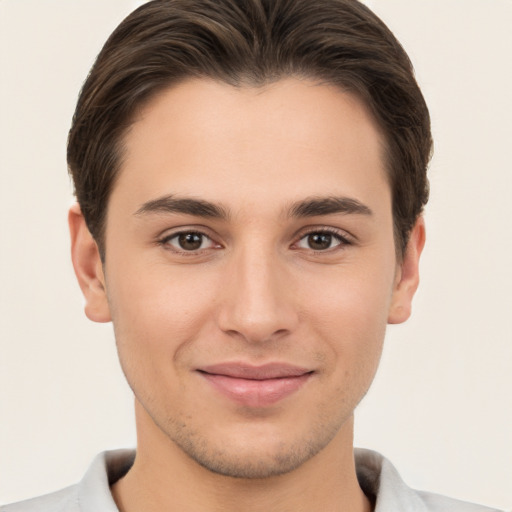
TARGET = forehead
(237,144)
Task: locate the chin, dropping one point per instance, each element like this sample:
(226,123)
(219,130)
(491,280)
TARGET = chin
(250,464)
(253,453)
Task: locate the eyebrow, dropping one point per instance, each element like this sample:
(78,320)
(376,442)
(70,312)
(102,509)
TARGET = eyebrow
(316,206)
(187,206)
(310,207)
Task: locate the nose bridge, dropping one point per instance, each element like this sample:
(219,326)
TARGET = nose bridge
(257,301)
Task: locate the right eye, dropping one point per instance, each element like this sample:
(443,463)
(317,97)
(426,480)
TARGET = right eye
(188,241)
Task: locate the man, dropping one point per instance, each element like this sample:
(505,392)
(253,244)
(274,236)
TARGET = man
(250,178)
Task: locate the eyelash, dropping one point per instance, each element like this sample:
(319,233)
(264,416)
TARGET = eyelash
(165,241)
(342,240)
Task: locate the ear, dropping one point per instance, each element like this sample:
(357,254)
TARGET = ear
(407,278)
(88,267)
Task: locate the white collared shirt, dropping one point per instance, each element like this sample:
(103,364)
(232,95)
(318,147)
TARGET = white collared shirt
(377,477)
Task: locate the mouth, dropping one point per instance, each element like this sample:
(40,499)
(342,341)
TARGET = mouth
(255,386)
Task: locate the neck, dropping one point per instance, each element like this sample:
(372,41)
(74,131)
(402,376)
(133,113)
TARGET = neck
(163,477)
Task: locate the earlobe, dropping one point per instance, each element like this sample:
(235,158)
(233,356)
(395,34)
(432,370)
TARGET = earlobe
(88,267)
(407,279)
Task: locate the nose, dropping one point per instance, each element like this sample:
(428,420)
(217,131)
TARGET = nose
(258,302)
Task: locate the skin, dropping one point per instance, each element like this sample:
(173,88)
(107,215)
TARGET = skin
(260,288)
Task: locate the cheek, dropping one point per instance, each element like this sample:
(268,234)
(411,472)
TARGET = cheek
(350,312)
(157,310)
(157,316)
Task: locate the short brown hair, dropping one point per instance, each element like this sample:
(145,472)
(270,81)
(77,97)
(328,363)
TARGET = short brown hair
(250,42)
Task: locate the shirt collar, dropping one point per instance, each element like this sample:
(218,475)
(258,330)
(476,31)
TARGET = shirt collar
(377,477)
(94,489)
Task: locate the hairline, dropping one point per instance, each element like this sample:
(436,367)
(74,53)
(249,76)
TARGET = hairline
(248,82)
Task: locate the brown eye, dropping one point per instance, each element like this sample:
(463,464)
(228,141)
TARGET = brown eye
(321,241)
(188,241)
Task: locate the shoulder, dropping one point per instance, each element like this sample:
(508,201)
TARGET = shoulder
(438,503)
(91,494)
(380,479)
(65,500)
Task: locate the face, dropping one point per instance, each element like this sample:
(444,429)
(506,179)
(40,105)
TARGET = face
(250,270)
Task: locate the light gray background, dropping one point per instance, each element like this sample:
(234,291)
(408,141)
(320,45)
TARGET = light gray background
(441,405)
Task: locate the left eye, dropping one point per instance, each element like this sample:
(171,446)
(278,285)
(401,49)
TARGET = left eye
(189,241)
(320,241)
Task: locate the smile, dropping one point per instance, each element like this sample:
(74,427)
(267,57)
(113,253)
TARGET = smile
(253,386)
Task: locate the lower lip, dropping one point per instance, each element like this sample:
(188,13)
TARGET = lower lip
(256,393)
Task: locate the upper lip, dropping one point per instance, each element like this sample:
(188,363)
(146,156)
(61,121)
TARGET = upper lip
(241,370)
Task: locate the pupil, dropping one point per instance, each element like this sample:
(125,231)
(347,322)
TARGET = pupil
(319,241)
(190,241)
